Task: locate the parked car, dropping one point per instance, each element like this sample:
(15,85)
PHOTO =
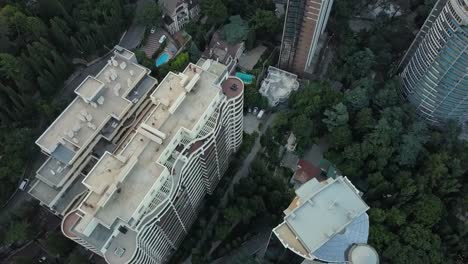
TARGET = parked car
(260,114)
(162,39)
(23,185)
(255,110)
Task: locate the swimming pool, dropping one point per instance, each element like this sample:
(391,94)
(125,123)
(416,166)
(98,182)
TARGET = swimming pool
(163,58)
(245,77)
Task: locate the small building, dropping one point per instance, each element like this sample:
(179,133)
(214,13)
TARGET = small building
(325,222)
(220,50)
(306,171)
(177,13)
(278,85)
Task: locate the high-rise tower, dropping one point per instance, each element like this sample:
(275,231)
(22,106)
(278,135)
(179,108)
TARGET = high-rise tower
(434,71)
(129,164)
(304,22)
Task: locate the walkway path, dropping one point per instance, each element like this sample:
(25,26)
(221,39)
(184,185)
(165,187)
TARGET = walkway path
(244,170)
(241,173)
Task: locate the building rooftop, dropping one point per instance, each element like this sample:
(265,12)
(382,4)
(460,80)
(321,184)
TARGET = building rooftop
(306,171)
(278,85)
(220,50)
(122,183)
(321,211)
(99,99)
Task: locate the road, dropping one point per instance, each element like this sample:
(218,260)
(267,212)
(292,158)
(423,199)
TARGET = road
(135,32)
(244,170)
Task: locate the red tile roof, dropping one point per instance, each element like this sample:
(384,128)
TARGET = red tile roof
(306,171)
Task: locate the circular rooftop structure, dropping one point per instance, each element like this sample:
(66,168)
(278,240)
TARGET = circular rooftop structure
(232,87)
(363,254)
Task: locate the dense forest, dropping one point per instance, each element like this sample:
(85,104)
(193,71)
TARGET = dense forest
(413,177)
(39,40)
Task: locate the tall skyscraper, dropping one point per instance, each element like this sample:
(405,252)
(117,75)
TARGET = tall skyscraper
(128,171)
(304,22)
(434,71)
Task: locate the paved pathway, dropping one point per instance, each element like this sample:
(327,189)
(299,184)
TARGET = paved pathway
(241,173)
(244,170)
(135,32)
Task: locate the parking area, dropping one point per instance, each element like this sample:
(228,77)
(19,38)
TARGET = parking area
(152,42)
(251,123)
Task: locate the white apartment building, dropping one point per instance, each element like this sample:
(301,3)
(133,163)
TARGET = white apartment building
(140,197)
(177,13)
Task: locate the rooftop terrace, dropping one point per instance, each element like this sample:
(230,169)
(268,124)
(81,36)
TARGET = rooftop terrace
(278,85)
(99,98)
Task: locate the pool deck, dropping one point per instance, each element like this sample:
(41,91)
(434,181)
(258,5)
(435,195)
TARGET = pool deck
(157,63)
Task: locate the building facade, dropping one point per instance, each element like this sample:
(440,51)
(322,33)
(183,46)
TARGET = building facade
(304,22)
(434,70)
(140,194)
(177,13)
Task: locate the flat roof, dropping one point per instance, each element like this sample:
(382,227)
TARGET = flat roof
(89,88)
(99,98)
(120,181)
(53,171)
(278,85)
(324,210)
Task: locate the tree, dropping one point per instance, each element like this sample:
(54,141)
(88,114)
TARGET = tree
(358,97)
(266,23)
(194,52)
(359,64)
(60,31)
(18,231)
(52,8)
(395,217)
(340,137)
(23,260)
(77,258)
(215,10)
(8,66)
(235,31)
(59,245)
(149,14)
(427,211)
(388,96)
(364,121)
(412,144)
(336,117)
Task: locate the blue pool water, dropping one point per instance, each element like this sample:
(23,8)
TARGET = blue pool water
(163,58)
(246,78)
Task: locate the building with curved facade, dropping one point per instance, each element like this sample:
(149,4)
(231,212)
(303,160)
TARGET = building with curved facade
(141,196)
(435,69)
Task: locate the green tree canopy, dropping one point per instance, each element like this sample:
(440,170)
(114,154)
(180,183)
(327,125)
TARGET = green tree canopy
(59,245)
(266,23)
(338,116)
(149,14)
(215,10)
(235,31)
